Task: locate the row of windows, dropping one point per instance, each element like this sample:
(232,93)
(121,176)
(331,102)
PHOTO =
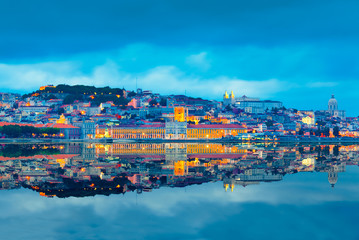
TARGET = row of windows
(191,133)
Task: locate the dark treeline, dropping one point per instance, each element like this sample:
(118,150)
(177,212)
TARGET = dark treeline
(16,150)
(83,93)
(322,131)
(82,90)
(16,131)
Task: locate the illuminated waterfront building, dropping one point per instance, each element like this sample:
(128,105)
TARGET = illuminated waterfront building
(169,151)
(153,131)
(171,130)
(175,128)
(212,131)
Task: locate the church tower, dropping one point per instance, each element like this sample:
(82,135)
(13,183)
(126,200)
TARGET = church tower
(228,99)
(232,98)
(332,177)
(332,105)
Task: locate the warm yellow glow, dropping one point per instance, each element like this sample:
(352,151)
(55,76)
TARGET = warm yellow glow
(180,114)
(62,162)
(61,120)
(308,161)
(308,120)
(180,168)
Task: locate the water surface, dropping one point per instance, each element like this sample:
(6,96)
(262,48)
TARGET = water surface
(178,191)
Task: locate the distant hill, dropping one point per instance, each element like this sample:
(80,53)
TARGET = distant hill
(95,95)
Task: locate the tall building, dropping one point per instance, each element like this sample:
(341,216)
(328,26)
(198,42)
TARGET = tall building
(228,99)
(333,108)
(180,114)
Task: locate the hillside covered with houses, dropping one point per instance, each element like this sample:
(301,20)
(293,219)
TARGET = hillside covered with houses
(88,112)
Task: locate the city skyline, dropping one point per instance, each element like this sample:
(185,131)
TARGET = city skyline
(219,98)
(256,49)
(180,119)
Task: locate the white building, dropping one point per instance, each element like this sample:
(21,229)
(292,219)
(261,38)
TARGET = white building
(176,130)
(255,105)
(333,108)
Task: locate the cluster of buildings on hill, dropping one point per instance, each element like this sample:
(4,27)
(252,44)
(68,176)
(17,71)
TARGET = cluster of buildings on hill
(84,170)
(148,115)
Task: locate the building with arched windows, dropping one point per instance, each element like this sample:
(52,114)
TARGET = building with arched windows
(333,108)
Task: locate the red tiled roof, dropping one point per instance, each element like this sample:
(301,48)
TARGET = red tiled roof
(53,125)
(59,125)
(57,156)
(159,125)
(10,123)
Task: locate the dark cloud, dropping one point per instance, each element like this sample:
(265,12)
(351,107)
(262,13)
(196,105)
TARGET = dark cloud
(43,28)
(309,46)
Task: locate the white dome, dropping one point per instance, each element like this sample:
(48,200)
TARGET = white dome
(332,178)
(332,104)
(333,100)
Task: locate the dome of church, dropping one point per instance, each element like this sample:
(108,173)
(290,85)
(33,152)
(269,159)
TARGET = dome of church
(332,104)
(333,100)
(332,178)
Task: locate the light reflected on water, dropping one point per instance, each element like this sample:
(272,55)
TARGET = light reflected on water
(178,191)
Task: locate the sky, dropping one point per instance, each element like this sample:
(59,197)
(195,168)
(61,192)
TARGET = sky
(297,52)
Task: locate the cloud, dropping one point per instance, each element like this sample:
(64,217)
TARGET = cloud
(162,79)
(203,211)
(322,84)
(199,61)
(280,73)
(112,24)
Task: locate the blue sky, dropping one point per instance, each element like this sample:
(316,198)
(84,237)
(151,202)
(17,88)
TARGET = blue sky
(298,52)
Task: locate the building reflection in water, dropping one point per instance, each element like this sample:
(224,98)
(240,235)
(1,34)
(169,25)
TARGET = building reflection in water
(81,170)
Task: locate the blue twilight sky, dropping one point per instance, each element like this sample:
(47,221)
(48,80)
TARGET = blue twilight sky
(298,52)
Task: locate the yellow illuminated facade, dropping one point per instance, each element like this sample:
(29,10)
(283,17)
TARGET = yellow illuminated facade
(308,120)
(61,120)
(180,168)
(211,133)
(194,119)
(163,148)
(180,114)
(212,148)
(42,88)
(196,132)
(138,133)
(131,132)
(219,120)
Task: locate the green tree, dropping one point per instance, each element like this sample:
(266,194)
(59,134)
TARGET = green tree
(61,111)
(301,132)
(269,123)
(153,102)
(131,94)
(336,131)
(326,132)
(163,102)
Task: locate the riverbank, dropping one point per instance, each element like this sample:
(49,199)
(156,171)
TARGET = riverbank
(315,140)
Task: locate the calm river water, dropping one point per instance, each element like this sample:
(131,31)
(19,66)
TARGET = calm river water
(179,191)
